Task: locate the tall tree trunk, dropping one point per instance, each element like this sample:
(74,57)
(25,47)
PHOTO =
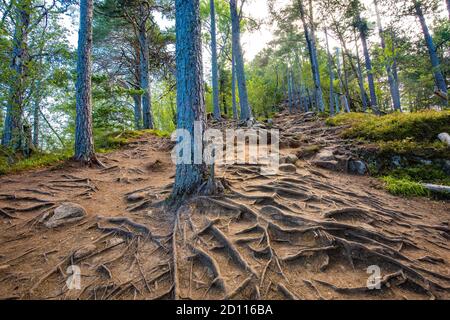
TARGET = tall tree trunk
(360,78)
(438,77)
(343,97)
(448,8)
(144,56)
(214,65)
(330,70)
(84,142)
(137,111)
(13,126)
(363,36)
(289,82)
(36,123)
(233,86)
(393,85)
(310,41)
(246,112)
(190,98)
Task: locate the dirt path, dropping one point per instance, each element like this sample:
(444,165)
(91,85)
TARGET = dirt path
(311,234)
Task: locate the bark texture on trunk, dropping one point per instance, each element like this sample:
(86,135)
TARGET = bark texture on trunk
(214,64)
(311,44)
(84,143)
(368,62)
(145,74)
(13,134)
(435,63)
(246,112)
(393,84)
(190,98)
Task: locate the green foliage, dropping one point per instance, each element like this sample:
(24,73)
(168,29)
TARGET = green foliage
(35,161)
(109,141)
(422,173)
(405,187)
(418,126)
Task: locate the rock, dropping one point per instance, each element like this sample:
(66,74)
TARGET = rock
(330,165)
(325,155)
(444,137)
(66,213)
(396,161)
(136,197)
(290,158)
(84,251)
(446,167)
(288,167)
(357,167)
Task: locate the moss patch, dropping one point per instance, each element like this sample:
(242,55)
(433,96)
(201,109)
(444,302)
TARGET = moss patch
(404,187)
(410,137)
(110,141)
(419,126)
(36,161)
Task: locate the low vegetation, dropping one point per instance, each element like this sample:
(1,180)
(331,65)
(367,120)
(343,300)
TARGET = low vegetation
(408,138)
(105,142)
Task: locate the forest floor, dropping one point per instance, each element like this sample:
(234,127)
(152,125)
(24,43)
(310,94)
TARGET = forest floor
(308,234)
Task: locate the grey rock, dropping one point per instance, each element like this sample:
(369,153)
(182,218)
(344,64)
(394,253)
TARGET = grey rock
(330,165)
(396,161)
(289,168)
(446,167)
(66,213)
(357,167)
(290,158)
(325,155)
(136,197)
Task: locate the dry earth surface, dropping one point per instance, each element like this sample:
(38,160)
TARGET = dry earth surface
(305,234)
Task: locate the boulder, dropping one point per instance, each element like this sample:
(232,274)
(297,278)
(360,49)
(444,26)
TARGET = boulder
(290,158)
(325,155)
(330,165)
(66,213)
(446,167)
(445,138)
(288,168)
(357,167)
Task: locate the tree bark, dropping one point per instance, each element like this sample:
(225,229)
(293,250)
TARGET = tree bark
(190,98)
(246,112)
(438,77)
(393,84)
(233,86)
(84,143)
(363,36)
(310,41)
(214,64)
(330,71)
(144,72)
(13,126)
(342,95)
(360,78)
(137,111)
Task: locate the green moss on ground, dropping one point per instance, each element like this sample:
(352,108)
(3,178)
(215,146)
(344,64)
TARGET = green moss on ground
(418,126)
(410,136)
(15,164)
(104,142)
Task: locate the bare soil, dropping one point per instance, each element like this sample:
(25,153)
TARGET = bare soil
(305,235)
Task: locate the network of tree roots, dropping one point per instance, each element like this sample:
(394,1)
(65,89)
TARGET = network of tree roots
(305,235)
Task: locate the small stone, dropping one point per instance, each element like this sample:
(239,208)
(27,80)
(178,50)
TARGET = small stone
(289,168)
(330,165)
(136,197)
(357,167)
(290,158)
(66,213)
(325,155)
